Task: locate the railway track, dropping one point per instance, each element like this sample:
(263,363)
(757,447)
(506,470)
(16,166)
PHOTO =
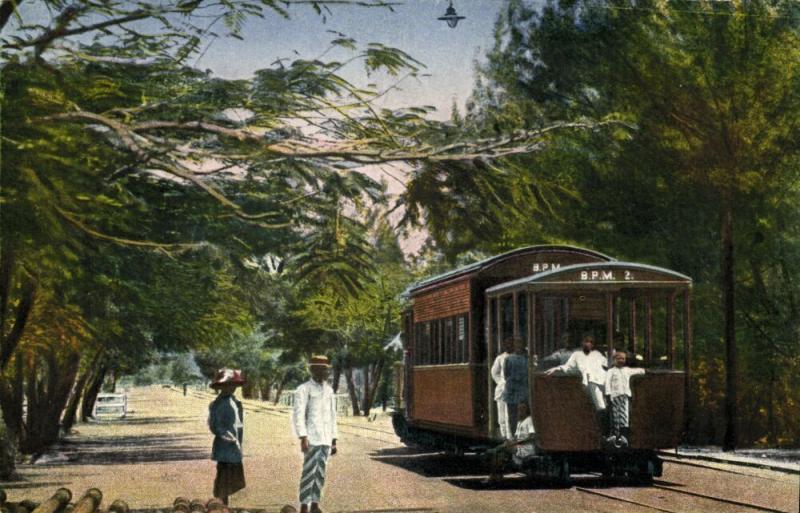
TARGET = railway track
(704,504)
(678,458)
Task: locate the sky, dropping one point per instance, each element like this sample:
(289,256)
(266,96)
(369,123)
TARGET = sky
(448,54)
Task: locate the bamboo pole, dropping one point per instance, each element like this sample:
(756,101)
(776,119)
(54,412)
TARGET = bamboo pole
(55,503)
(89,502)
(119,506)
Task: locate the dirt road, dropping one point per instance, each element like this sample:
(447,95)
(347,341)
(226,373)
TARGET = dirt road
(162,451)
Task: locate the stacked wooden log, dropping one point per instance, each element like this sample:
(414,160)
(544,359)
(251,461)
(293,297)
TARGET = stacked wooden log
(91,500)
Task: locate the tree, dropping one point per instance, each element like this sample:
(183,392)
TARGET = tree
(711,91)
(134,202)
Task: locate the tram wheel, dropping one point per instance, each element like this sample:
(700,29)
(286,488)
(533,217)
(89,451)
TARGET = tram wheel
(562,479)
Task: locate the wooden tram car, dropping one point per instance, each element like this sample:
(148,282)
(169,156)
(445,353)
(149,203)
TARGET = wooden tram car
(456,321)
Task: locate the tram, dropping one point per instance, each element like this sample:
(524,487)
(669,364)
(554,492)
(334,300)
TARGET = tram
(452,333)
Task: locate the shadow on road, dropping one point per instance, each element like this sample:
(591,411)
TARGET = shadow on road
(470,471)
(26,485)
(115,450)
(139,421)
(430,464)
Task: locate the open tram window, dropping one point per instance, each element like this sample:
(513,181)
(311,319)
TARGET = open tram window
(461,333)
(448,341)
(426,344)
(507,313)
(522,315)
(491,329)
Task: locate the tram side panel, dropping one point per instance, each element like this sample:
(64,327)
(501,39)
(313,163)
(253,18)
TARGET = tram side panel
(656,418)
(443,395)
(563,414)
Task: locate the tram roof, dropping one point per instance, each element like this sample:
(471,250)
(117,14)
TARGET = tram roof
(568,273)
(481,265)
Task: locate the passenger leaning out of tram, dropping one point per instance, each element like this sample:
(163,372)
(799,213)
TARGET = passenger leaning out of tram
(591,365)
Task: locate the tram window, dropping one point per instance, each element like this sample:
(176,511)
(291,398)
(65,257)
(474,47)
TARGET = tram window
(493,327)
(463,355)
(426,345)
(522,315)
(507,304)
(448,338)
(436,343)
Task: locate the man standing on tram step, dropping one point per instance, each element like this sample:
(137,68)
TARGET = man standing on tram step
(499,379)
(515,370)
(314,423)
(225,420)
(591,364)
(618,390)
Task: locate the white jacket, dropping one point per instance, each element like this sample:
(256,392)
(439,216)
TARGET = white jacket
(591,366)
(618,380)
(498,376)
(314,413)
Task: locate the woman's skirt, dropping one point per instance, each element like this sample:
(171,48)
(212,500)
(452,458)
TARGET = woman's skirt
(230,479)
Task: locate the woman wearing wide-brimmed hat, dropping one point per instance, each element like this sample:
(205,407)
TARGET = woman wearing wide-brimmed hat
(226,421)
(314,423)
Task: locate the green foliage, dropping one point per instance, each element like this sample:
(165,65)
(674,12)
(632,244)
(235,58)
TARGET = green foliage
(708,91)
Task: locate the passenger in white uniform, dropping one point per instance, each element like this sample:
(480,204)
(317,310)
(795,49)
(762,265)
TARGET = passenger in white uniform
(520,449)
(618,390)
(499,378)
(591,365)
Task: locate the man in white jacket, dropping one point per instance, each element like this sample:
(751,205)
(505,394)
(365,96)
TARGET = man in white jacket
(591,364)
(499,378)
(314,423)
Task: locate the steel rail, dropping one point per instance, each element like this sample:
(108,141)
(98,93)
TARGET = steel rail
(700,465)
(620,499)
(722,461)
(720,499)
(685,492)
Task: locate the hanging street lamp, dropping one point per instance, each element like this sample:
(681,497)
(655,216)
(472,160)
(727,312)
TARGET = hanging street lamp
(451,17)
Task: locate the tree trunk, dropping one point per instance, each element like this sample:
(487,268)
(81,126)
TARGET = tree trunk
(90,394)
(376,380)
(11,340)
(728,290)
(371,385)
(112,387)
(11,399)
(772,424)
(52,389)
(337,375)
(281,386)
(7,8)
(351,387)
(365,399)
(70,412)
(266,389)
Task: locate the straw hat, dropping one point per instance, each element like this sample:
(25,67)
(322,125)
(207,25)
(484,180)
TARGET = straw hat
(319,361)
(227,376)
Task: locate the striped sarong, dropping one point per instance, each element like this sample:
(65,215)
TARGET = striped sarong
(313,479)
(620,406)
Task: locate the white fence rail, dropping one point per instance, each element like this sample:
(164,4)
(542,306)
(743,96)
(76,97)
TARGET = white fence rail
(343,406)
